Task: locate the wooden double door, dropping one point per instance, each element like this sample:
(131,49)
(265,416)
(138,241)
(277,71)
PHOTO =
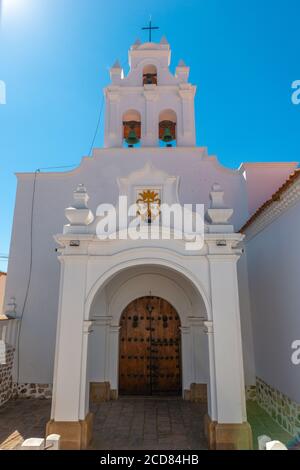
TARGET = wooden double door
(150,352)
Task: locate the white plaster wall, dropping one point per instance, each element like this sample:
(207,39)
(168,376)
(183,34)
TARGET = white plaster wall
(53,193)
(38,326)
(274,272)
(97,354)
(2,290)
(263,179)
(246,323)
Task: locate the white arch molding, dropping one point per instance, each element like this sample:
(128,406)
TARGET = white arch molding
(128,285)
(149,62)
(150,285)
(136,261)
(106,349)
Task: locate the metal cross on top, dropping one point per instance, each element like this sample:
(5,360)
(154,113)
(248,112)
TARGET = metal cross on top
(150,28)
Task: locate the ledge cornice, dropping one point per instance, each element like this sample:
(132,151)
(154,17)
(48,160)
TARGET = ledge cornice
(286,196)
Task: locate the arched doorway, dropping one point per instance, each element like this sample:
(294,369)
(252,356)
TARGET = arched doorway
(150,348)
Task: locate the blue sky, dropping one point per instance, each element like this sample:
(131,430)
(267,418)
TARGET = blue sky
(55,56)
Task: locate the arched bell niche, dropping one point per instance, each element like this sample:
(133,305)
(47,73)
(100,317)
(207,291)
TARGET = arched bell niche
(150,75)
(167,128)
(131,128)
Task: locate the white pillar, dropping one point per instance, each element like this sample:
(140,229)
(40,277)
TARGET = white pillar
(187,364)
(230,389)
(211,395)
(71,345)
(85,384)
(150,136)
(113,126)
(199,355)
(101,327)
(186,132)
(114,356)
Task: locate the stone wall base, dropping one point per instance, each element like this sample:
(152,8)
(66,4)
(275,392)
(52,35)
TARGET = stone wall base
(279,406)
(6,364)
(227,436)
(197,393)
(101,391)
(75,435)
(32,390)
(250,392)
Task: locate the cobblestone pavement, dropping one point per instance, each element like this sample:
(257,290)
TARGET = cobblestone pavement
(21,419)
(128,423)
(149,423)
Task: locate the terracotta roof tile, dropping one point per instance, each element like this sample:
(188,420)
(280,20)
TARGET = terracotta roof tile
(275,197)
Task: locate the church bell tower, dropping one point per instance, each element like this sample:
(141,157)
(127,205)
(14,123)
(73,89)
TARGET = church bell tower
(150,107)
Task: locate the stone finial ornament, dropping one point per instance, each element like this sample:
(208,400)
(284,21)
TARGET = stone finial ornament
(164,41)
(181,63)
(217,197)
(80,197)
(79,213)
(11,308)
(116,73)
(116,65)
(218,214)
(182,71)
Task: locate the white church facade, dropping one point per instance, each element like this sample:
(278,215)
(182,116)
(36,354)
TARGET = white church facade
(96,317)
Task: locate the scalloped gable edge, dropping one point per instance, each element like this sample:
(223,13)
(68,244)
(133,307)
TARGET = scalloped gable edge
(202,152)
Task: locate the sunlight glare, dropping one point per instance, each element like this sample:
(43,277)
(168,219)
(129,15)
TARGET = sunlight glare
(10,6)
(16,12)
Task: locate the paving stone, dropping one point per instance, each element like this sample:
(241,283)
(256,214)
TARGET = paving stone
(126,424)
(159,424)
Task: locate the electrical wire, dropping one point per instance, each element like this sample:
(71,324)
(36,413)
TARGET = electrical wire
(56,167)
(31,235)
(29,275)
(97,126)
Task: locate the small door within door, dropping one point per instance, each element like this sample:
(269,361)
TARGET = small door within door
(150,353)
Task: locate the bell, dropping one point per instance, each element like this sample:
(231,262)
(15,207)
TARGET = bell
(167,135)
(150,79)
(132,138)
